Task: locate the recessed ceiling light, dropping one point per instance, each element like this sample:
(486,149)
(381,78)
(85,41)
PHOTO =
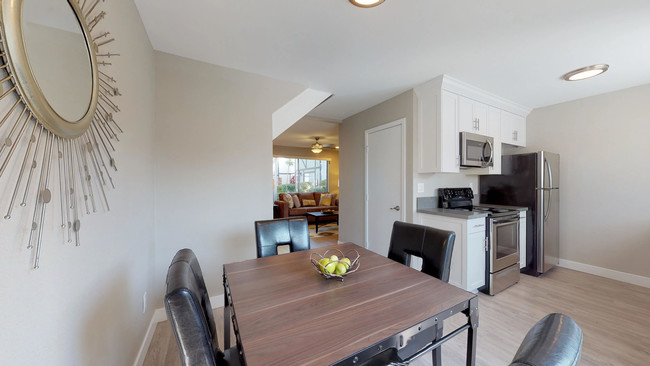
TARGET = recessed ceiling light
(585,72)
(366,3)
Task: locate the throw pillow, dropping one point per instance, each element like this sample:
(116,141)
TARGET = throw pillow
(306,203)
(296,201)
(334,195)
(325,200)
(287,198)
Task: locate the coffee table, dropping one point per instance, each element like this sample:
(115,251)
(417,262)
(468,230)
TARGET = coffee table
(318,215)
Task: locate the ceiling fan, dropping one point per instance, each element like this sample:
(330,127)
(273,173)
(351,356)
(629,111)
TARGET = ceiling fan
(317,147)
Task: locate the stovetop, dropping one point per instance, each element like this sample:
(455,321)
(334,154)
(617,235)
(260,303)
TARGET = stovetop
(461,199)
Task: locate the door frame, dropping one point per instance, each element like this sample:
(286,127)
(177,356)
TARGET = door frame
(402,124)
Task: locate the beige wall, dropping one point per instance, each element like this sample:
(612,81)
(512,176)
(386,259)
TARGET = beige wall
(330,155)
(213,162)
(603,142)
(352,161)
(83,306)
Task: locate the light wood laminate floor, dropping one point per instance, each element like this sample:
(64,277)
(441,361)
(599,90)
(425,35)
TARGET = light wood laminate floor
(614,317)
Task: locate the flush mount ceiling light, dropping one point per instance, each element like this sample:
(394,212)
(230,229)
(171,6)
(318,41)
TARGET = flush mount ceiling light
(316,148)
(585,72)
(366,3)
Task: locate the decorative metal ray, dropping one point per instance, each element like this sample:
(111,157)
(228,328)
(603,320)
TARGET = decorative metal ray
(79,165)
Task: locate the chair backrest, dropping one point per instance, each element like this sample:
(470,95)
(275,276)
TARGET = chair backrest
(555,340)
(292,231)
(189,311)
(434,246)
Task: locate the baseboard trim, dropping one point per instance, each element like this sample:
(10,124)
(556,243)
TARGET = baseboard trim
(158,316)
(607,273)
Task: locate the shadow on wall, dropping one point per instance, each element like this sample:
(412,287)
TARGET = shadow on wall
(107,328)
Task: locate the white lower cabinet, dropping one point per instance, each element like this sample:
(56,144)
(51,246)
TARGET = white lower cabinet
(468,256)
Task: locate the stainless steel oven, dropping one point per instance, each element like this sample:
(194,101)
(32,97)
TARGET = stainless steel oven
(503,252)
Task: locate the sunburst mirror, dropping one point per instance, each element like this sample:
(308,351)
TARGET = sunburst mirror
(57,129)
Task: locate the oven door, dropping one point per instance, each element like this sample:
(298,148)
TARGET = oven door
(476,150)
(504,242)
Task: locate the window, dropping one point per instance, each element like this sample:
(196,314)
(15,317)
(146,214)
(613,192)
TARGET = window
(292,175)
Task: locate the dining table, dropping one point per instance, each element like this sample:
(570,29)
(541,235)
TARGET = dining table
(285,312)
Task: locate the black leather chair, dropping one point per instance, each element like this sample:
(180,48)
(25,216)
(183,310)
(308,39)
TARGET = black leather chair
(190,313)
(292,231)
(434,246)
(556,340)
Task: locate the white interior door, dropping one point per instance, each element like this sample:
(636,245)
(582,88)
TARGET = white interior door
(385,183)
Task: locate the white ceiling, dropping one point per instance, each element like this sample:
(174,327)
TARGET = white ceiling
(513,48)
(302,133)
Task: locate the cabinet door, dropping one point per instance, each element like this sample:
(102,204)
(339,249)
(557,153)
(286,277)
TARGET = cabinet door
(513,129)
(480,115)
(494,124)
(475,260)
(466,115)
(472,116)
(449,138)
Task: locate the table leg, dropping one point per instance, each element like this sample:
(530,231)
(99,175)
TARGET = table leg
(472,315)
(226,315)
(316,224)
(436,354)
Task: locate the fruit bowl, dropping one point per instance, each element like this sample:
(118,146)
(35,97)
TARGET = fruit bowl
(333,268)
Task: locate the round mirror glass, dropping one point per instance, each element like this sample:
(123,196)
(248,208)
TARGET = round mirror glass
(58,56)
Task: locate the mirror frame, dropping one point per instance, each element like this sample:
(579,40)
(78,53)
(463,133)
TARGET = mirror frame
(26,84)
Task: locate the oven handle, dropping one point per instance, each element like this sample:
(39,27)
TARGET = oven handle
(505,221)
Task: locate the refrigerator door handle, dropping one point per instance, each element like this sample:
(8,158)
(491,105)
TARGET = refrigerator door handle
(548,206)
(550,175)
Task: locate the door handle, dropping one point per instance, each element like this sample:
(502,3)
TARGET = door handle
(396,208)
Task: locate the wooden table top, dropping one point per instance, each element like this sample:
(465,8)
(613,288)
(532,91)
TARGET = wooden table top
(289,314)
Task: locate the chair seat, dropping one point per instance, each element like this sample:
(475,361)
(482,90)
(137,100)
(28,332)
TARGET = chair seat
(555,340)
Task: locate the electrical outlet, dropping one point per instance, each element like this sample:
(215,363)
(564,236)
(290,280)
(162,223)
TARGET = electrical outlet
(420,187)
(144,302)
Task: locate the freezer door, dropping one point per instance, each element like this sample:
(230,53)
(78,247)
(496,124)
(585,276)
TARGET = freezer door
(548,229)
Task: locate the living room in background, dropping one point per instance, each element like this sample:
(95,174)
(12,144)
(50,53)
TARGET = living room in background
(295,175)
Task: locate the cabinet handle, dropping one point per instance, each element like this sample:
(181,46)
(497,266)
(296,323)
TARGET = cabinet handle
(514,135)
(486,244)
(478,225)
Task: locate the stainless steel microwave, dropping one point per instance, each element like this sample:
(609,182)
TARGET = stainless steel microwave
(476,151)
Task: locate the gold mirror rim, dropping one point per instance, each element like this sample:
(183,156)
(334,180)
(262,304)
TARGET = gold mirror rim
(11,24)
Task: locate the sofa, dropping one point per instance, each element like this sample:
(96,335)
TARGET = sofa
(298,207)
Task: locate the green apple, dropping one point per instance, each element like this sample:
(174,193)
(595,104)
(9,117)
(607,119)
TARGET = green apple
(323,262)
(346,261)
(330,267)
(341,268)
(334,258)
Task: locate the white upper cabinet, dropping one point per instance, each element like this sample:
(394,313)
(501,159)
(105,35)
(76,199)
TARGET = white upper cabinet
(444,107)
(513,129)
(472,116)
(436,130)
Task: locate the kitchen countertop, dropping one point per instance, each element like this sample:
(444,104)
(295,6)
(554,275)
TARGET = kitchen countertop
(429,205)
(503,206)
(467,215)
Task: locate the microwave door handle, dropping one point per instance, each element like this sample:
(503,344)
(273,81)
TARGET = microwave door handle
(488,143)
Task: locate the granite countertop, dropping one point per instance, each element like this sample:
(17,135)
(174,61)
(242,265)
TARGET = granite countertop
(429,205)
(467,215)
(504,206)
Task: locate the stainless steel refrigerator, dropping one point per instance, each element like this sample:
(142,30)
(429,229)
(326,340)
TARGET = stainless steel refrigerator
(530,180)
